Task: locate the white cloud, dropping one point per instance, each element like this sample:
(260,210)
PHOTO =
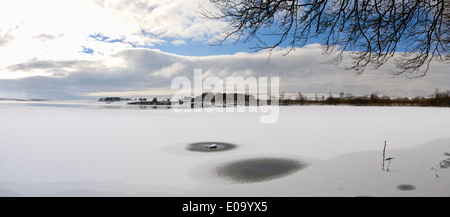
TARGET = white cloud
(170,71)
(48,37)
(173,19)
(178,42)
(5,37)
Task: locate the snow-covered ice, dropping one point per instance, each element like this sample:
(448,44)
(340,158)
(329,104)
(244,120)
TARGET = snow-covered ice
(88,151)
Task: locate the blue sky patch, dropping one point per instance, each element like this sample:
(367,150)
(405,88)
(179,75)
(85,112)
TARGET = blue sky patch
(87,50)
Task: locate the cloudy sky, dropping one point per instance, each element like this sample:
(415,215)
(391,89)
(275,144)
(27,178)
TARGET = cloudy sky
(76,49)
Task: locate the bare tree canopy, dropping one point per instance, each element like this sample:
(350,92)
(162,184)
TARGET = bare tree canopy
(412,33)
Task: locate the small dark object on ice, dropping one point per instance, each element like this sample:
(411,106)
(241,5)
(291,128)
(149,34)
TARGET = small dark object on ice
(435,171)
(406,187)
(445,164)
(210,147)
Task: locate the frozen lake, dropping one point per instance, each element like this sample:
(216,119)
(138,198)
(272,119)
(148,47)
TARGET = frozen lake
(83,149)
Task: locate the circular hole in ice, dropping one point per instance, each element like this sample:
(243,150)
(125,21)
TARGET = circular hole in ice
(406,187)
(259,169)
(210,147)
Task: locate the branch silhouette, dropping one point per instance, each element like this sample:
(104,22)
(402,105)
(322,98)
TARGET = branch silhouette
(410,33)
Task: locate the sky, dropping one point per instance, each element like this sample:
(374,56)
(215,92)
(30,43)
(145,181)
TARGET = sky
(87,49)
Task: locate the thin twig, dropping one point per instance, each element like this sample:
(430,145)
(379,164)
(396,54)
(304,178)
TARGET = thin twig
(384,155)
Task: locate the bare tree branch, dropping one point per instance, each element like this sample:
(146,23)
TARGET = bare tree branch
(373,31)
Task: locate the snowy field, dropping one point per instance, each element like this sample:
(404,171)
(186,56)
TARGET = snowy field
(79,150)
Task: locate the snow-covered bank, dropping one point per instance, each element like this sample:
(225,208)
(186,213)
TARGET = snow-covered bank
(103,152)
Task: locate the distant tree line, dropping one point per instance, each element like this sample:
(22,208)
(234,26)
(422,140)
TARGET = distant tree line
(214,99)
(438,99)
(144,101)
(224,98)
